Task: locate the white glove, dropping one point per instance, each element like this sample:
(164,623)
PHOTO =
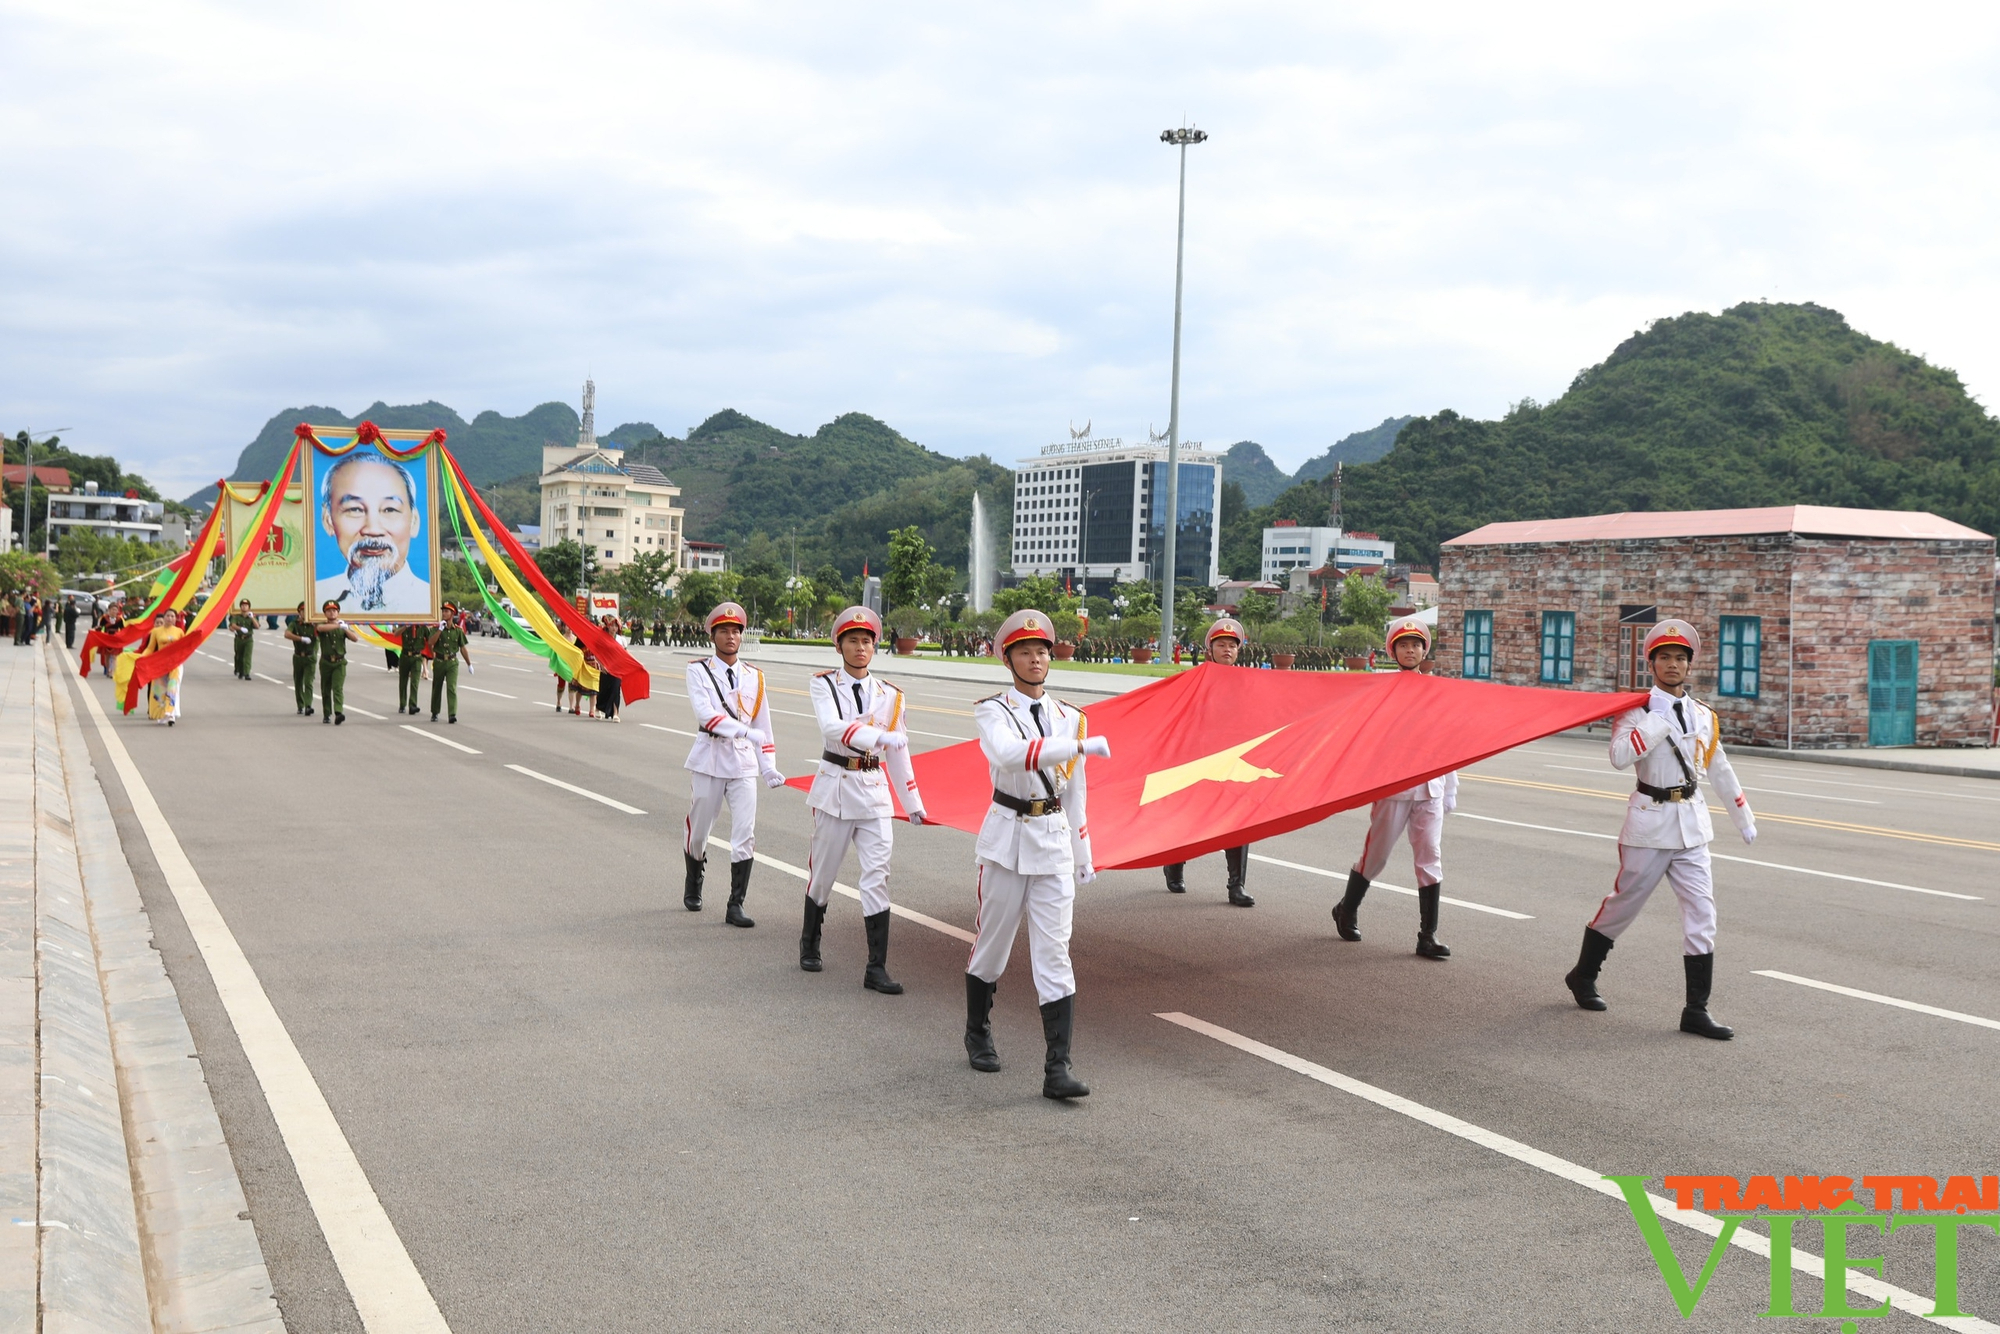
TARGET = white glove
(772,778)
(756,738)
(1098,746)
(729,729)
(1750,834)
(917,818)
(1085,874)
(894,741)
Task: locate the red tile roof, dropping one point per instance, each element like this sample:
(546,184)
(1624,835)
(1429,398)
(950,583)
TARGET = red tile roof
(56,479)
(1807,520)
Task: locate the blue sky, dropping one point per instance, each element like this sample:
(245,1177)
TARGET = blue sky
(961,223)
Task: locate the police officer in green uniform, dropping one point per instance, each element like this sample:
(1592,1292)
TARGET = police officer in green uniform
(299,630)
(410,666)
(245,627)
(333,636)
(448,644)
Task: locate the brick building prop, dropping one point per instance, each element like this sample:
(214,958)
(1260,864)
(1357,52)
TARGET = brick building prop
(1821,627)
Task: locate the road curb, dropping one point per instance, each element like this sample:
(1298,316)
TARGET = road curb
(1854,761)
(199,1264)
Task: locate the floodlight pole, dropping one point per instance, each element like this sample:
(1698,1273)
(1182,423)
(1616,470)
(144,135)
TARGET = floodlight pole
(1180,138)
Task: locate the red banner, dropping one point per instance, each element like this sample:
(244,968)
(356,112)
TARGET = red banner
(1222,756)
(634,680)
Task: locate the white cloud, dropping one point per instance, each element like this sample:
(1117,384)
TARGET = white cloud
(960,221)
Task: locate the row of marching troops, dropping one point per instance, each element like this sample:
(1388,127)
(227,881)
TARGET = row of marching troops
(1033,848)
(320,648)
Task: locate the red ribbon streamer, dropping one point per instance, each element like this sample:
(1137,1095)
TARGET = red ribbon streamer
(633,679)
(151,666)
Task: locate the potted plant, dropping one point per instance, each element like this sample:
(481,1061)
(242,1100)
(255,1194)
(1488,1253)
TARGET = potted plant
(1144,628)
(1354,645)
(1068,626)
(1282,640)
(905,624)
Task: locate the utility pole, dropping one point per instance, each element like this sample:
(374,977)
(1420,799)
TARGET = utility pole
(1180,138)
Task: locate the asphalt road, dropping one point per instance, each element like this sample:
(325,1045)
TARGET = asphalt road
(587,1109)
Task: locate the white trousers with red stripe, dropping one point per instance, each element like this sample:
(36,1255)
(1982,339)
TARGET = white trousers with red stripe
(1005,897)
(709,794)
(1423,818)
(1639,873)
(871,840)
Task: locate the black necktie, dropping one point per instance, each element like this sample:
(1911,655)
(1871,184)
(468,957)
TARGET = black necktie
(732,677)
(857,699)
(1036,710)
(1680,717)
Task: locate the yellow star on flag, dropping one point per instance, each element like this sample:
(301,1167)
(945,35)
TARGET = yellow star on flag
(1225,766)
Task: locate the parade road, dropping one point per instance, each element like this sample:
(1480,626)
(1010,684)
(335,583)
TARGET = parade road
(582,1108)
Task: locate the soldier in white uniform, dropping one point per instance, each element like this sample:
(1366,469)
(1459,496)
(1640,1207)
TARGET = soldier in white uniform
(1670,744)
(1224,642)
(1033,849)
(732,716)
(1419,810)
(861,726)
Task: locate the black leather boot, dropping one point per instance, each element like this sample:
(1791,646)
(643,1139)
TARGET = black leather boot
(1582,979)
(1239,874)
(1695,1018)
(691,893)
(1347,913)
(877,977)
(1428,945)
(1177,878)
(1057,1081)
(809,937)
(979,1024)
(739,885)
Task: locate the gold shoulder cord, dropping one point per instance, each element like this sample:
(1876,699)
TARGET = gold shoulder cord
(1082,729)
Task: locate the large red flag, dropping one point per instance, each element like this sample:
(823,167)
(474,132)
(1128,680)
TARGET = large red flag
(1221,756)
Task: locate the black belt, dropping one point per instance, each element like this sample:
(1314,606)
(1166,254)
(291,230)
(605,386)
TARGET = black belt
(864,763)
(1024,806)
(1686,792)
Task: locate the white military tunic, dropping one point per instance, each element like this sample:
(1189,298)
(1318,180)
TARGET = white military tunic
(733,746)
(1670,838)
(1029,866)
(852,806)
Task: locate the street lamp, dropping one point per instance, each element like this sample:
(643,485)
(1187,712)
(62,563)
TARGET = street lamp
(1180,138)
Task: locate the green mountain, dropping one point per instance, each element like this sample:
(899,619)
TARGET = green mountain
(1361,447)
(1247,465)
(840,489)
(1764,404)
(491,446)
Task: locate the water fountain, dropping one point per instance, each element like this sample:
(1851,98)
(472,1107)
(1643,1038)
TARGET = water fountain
(979,578)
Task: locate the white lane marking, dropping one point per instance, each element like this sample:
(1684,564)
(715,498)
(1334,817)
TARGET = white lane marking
(442,741)
(389,1294)
(477,691)
(1774,791)
(910,914)
(1575,1173)
(675,730)
(1879,999)
(1519,824)
(1383,884)
(506,668)
(1812,796)
(363,712)
(1874,787)
(1745,861)
(580,791)
(272,679)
